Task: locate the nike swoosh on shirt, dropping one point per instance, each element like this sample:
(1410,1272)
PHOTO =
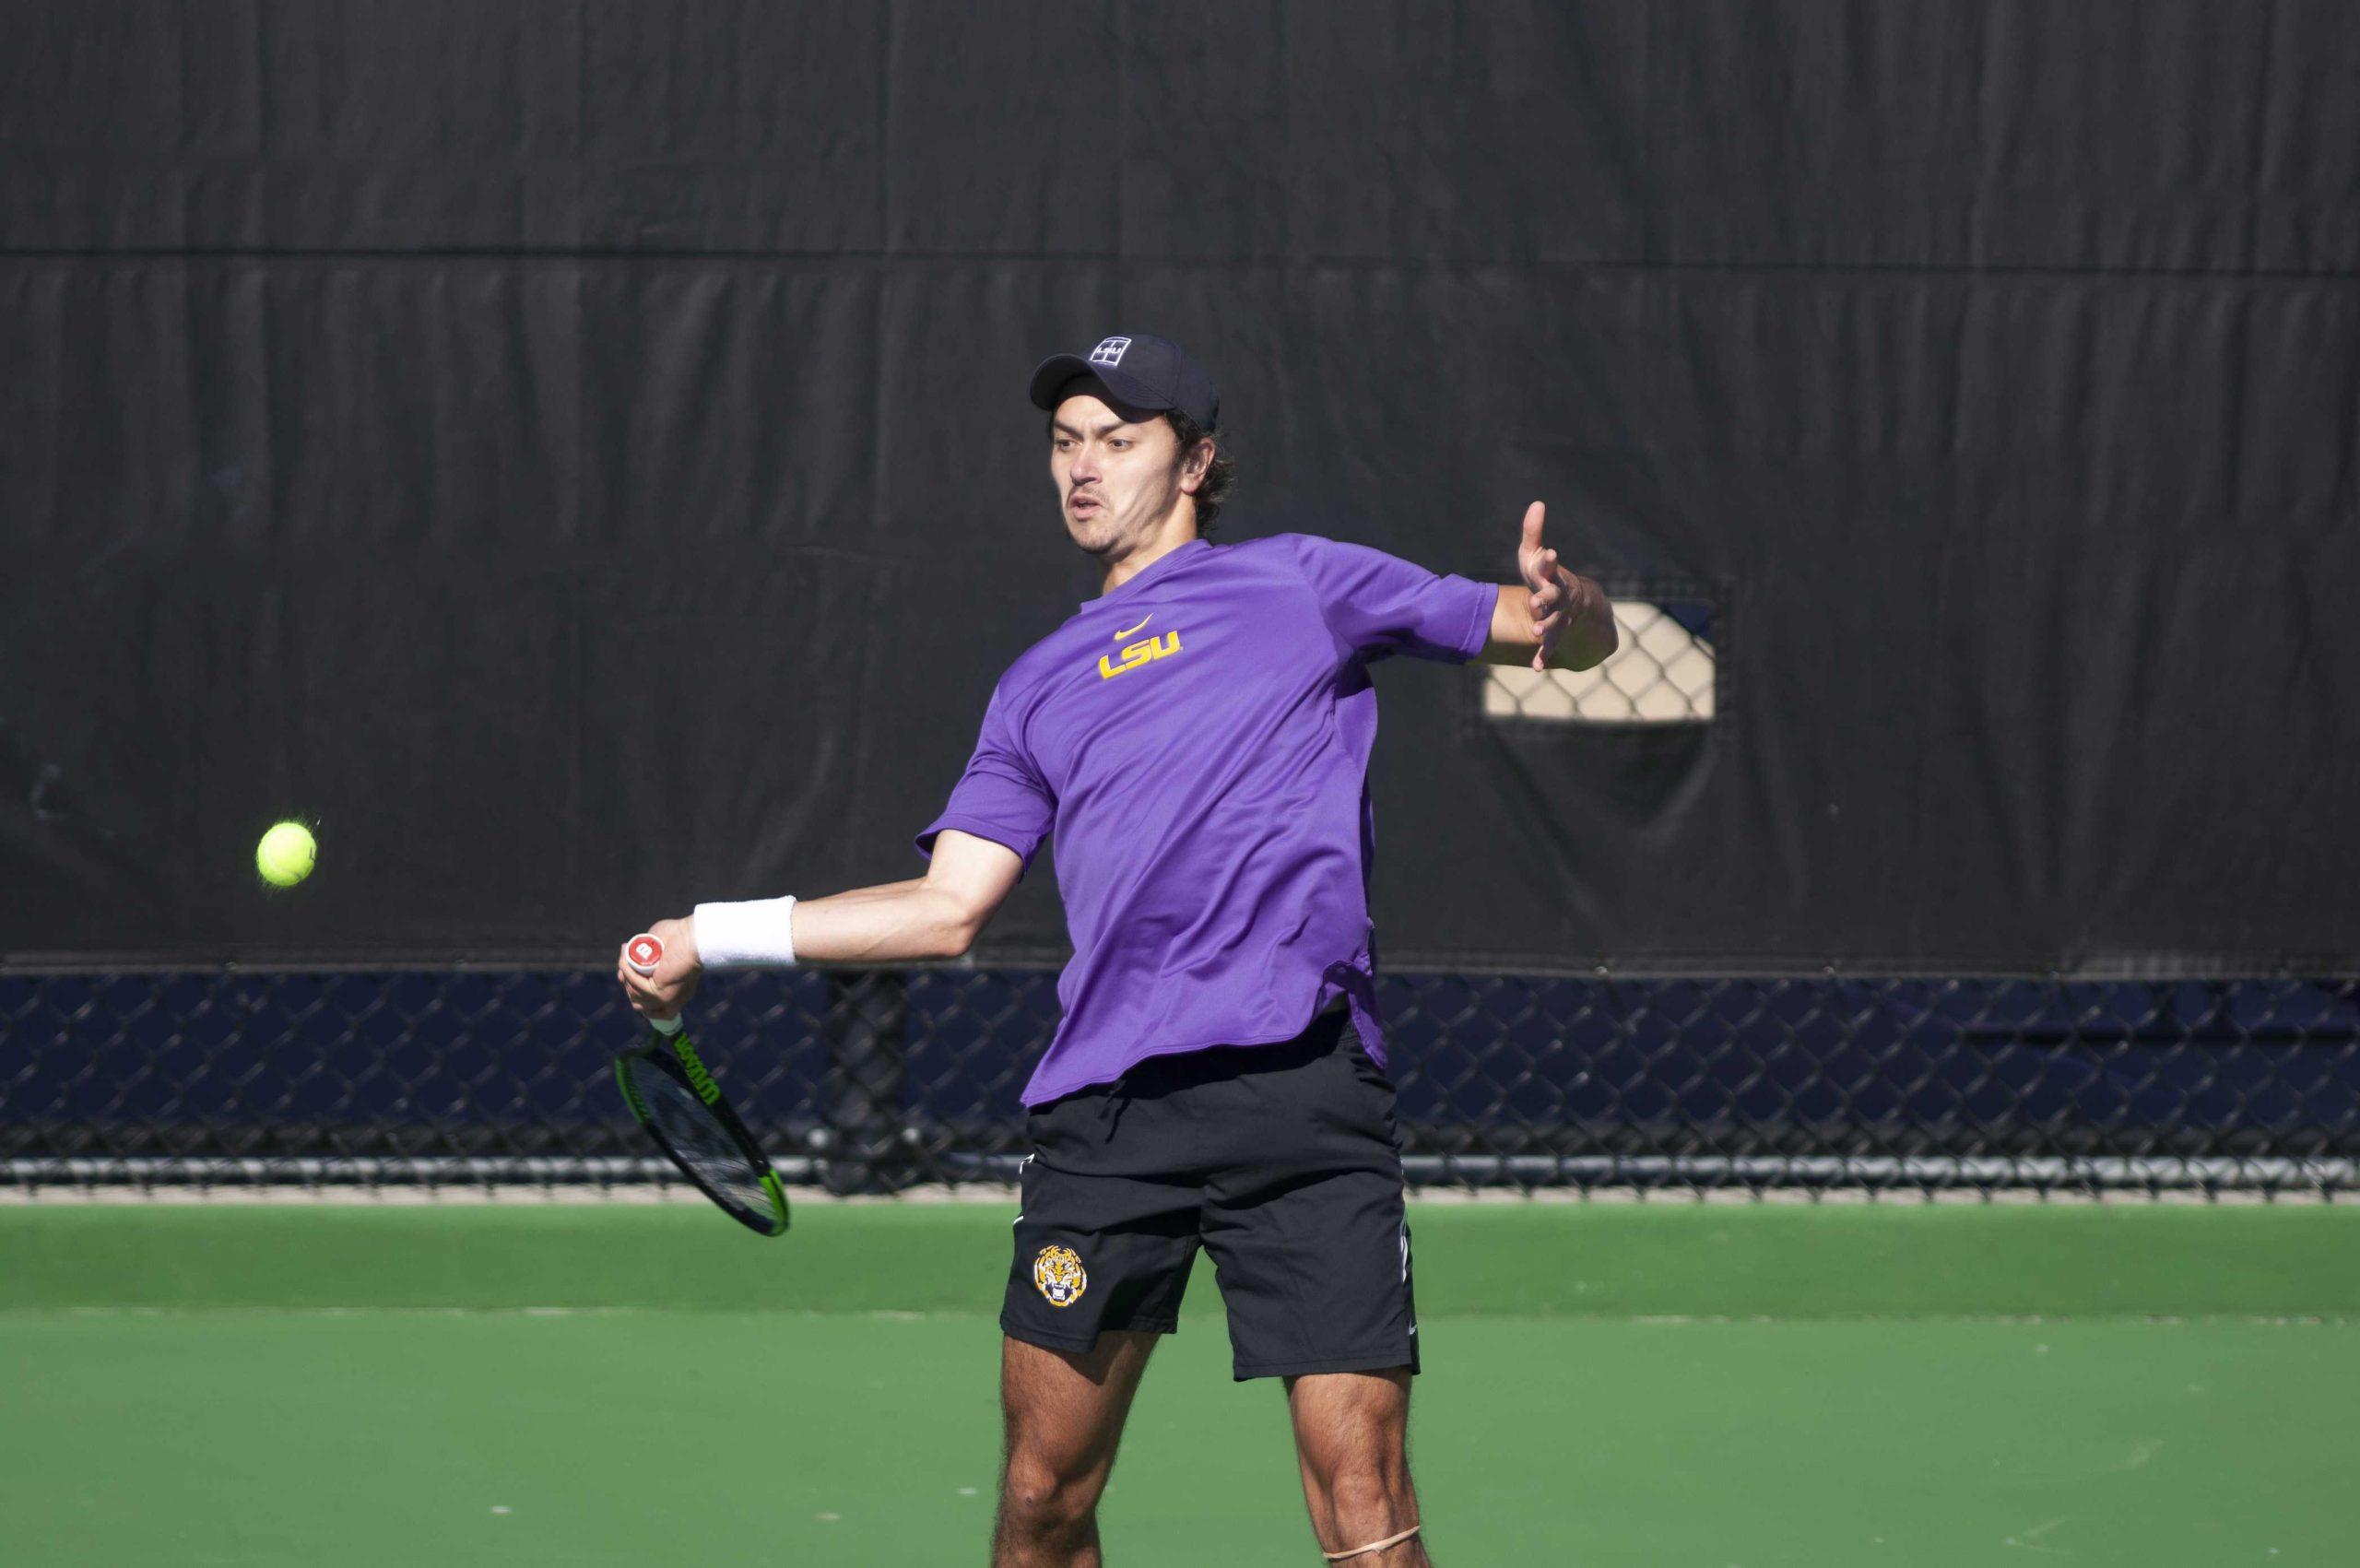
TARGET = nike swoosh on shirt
(1128,630)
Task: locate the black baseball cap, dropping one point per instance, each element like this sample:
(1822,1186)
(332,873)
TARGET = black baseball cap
(1140,371)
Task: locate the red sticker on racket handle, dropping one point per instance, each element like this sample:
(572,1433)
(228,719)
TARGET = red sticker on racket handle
(643,952)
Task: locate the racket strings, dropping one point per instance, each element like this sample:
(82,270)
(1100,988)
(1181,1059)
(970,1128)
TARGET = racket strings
(688,1126)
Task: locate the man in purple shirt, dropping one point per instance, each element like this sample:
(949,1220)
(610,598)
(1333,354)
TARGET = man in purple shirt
(1196,737)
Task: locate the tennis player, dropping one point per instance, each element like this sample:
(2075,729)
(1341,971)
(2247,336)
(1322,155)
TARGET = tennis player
(1197,739)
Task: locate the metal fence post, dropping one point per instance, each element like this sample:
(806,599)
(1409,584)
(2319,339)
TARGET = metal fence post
(863,1104)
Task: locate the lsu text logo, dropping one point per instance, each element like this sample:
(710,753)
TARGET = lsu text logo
(1138,653)
(1058,1275)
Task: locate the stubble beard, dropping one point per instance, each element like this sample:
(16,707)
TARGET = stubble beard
(1102,535)
(1098,534)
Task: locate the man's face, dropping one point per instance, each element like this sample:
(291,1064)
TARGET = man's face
(1118,471)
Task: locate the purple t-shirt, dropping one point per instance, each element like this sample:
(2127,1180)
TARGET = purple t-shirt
(1199,741)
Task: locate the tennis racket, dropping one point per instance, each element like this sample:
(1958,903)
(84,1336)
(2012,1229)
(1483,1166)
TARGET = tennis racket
(669,1090)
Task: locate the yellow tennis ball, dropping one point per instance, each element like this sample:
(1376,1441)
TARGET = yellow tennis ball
(285,854)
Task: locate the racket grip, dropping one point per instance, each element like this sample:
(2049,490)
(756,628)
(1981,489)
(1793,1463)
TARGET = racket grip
(643,952)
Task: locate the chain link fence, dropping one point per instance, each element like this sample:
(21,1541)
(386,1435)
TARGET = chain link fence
(877,1080)
(1665,672)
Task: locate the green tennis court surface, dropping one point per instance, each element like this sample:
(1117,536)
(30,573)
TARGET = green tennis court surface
(1605,1384)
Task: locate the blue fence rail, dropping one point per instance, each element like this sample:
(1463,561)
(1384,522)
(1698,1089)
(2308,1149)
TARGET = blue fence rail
(880,1079)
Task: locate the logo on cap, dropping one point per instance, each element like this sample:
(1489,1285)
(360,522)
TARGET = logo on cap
(1111,351)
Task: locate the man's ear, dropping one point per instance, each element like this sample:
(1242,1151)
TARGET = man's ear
(1194,468)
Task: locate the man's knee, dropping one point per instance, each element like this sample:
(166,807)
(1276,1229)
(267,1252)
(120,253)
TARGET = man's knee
(1362,1488)
(1365,1491)
(1040,1502)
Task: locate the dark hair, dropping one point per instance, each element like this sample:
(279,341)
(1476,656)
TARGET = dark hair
(1219,475)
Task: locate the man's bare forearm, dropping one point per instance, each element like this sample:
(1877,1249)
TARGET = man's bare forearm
(1589,635)
(938,916)
(891,922)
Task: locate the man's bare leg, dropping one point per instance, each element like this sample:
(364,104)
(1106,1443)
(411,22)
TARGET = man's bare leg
(1063,1416)
(1351,1438)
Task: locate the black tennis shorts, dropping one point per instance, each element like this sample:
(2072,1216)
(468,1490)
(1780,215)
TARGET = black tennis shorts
(1279,1160)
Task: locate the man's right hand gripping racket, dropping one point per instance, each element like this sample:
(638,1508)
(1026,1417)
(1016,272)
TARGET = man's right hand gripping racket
(666,1086)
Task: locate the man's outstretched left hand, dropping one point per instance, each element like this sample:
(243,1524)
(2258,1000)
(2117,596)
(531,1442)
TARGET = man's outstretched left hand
(1547,583)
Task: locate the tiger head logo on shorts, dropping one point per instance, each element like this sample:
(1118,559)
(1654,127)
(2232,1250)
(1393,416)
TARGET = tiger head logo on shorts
(1059,1276)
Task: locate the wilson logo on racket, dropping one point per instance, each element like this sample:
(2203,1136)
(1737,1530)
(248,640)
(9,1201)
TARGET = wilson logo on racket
(1058,1275)
(645,952)
(698,1079)
(1138,653)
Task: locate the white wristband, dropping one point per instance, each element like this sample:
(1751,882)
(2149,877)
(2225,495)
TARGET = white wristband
(740,935)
